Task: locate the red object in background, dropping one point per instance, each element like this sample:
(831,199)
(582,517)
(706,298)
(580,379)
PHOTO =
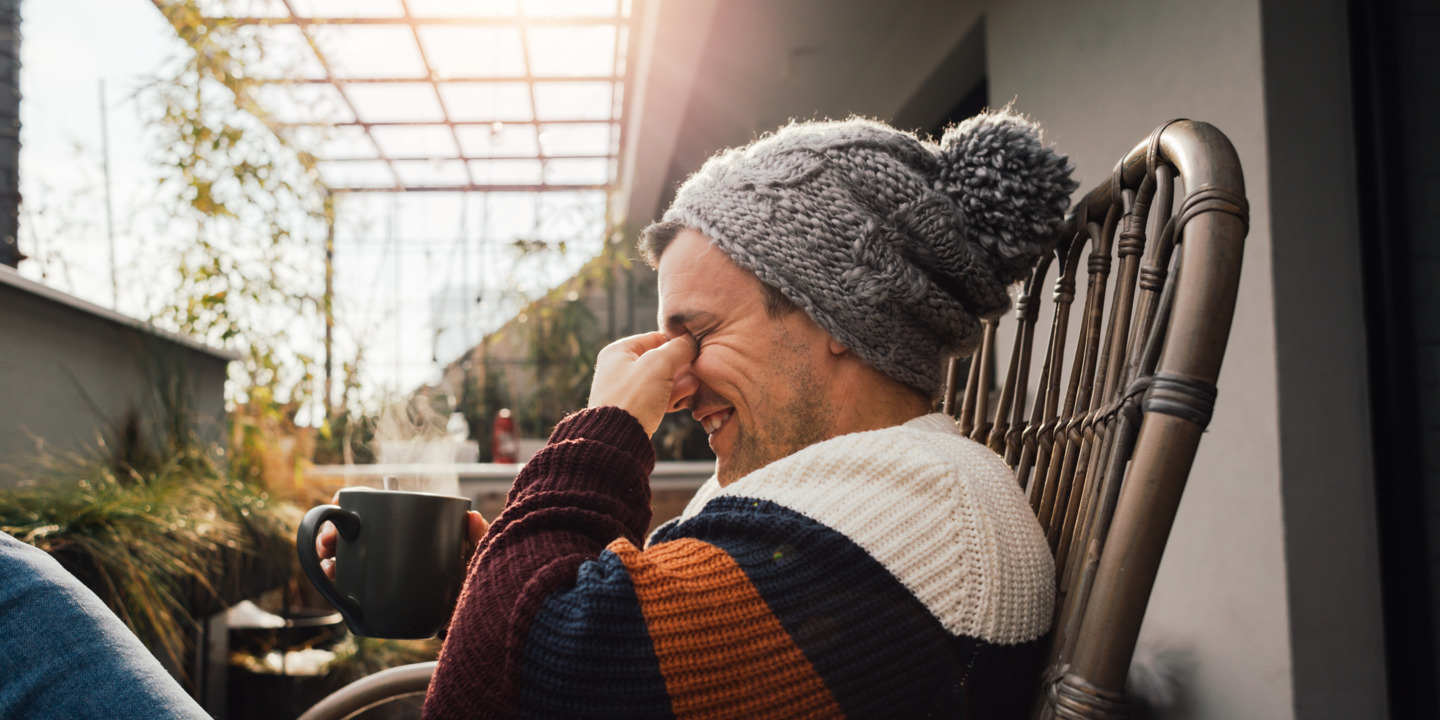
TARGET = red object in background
(504,446)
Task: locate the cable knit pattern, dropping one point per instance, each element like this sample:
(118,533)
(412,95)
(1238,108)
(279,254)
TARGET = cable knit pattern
(939,510)
(896,246)
(894,573)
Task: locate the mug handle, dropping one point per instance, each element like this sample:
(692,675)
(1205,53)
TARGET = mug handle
(348,523)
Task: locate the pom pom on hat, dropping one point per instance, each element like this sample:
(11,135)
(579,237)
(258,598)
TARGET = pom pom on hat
(1012,189)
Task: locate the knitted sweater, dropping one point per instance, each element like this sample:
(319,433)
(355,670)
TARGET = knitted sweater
(892,573)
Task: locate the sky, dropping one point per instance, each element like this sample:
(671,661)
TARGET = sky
(419,276)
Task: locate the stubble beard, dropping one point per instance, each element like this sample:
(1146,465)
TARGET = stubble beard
(801,422)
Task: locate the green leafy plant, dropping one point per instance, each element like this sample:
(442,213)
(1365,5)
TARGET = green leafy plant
(249,269)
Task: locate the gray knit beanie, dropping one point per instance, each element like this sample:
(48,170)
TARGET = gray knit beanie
(895,246)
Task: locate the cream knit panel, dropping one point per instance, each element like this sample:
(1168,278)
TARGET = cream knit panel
(940,511)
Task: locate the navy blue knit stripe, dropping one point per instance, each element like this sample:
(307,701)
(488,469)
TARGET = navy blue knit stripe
(588,653)
(879,649)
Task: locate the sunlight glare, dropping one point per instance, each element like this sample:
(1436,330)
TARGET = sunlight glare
(370,51)
(395,102)
(486,141)
(572,51)
(487,102)
(463,51)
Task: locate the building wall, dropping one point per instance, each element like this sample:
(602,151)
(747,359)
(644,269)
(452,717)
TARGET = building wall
(1100,77)
(1332,558)
(69,377)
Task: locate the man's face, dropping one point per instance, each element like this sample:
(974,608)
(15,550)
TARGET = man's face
(758,384)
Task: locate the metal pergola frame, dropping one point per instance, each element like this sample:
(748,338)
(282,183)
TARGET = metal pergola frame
(435,80)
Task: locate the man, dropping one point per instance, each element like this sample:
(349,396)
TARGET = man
(853,556)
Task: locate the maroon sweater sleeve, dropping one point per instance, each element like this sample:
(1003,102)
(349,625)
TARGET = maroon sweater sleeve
(586,488)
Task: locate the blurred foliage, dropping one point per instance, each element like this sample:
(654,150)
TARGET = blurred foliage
(249,274)
(163,527)
(540,364)
(156,525)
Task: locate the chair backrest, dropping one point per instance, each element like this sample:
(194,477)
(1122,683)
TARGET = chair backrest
(1103,444)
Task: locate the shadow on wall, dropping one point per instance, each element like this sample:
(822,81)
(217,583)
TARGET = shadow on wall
(71,371)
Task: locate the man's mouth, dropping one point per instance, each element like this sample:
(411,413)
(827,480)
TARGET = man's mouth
(715,420)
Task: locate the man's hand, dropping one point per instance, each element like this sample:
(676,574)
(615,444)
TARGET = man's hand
(643,374)
(327,537)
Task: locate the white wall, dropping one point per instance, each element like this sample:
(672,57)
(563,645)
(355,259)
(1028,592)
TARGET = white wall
(1100,76)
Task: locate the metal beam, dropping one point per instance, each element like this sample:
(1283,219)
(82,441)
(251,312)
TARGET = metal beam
(433,78)
(475,188)
(475,123)
(486,158)
(330,77)
(435,88)
(508,21)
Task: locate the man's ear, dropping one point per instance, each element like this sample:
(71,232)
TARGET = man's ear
(836,348)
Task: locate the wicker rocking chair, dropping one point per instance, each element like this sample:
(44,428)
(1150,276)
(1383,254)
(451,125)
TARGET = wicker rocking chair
(1104,451)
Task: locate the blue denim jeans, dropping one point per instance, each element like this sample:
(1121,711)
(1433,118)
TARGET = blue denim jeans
(65,656)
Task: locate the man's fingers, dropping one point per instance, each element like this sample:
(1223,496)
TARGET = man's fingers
(328,565)
(325,541)
(637,345)
(675,353)
(477,526)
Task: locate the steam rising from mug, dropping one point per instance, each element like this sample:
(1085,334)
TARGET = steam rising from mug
(411,433)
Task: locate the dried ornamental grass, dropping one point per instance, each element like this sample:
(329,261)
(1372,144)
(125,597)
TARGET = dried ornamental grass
(163,547)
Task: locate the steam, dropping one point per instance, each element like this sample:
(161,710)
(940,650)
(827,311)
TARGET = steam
(413,442)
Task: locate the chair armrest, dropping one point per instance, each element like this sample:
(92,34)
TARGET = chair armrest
(373,690)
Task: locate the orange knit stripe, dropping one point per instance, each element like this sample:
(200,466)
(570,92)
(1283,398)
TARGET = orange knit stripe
(722,651)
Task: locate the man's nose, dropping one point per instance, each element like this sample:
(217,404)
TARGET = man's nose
(682,393)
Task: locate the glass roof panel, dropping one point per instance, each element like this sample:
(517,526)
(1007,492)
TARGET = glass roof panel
(571,214)
(463,8)
(303,103)
(425,173)
(370,51)
(243,8)
(586,139)
(572,51)
(577,172)
(570,8)
(490,141)
(395,102)
(461,51)
(572,100)
(348,8)
(422,141)
(285,54)
(391,112)
(346,142)
(520,172)
(357,174)
(487,102)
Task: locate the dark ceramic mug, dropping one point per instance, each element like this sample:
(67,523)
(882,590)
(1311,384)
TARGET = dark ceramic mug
(399,560)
